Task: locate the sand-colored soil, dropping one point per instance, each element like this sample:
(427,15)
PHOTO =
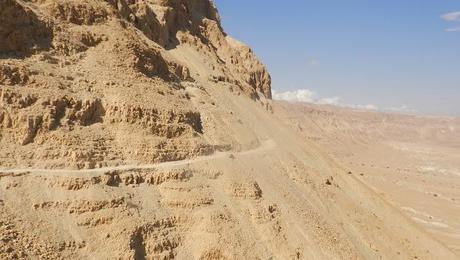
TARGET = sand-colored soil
(277,196)
(411,161)
(140,130)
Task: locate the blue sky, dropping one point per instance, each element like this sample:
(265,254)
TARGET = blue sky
(389,54)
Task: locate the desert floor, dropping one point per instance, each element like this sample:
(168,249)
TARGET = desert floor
(411,161)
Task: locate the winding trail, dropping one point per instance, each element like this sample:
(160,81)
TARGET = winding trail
(264,146)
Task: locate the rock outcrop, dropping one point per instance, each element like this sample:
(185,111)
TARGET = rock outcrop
(77,76)
(137,129)
(21,30)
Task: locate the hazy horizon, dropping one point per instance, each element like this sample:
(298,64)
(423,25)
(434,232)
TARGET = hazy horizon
(385,55)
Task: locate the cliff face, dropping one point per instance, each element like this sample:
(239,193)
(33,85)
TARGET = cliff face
(81,74)
(127,131)
(69,27)
(197,23)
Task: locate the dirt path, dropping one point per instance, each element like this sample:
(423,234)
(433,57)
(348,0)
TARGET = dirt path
(264,146)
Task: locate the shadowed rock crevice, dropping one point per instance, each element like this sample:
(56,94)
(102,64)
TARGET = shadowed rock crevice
(13,75)
(137,245)
(161,21)
(21,31)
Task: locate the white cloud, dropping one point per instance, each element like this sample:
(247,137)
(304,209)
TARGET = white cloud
(452,29)
(329,101)
(313,62)
(403,109)
(366,107)
(451,17)
(308,96)
(300,95)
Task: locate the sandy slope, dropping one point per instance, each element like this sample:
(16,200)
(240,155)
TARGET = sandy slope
(412,161)
(262,203)
(140,130)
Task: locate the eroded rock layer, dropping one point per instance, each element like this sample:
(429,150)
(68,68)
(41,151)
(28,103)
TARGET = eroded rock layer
(137,129)
(81,79)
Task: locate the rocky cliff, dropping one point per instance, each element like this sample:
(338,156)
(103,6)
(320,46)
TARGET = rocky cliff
(82,79)
(137,129)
